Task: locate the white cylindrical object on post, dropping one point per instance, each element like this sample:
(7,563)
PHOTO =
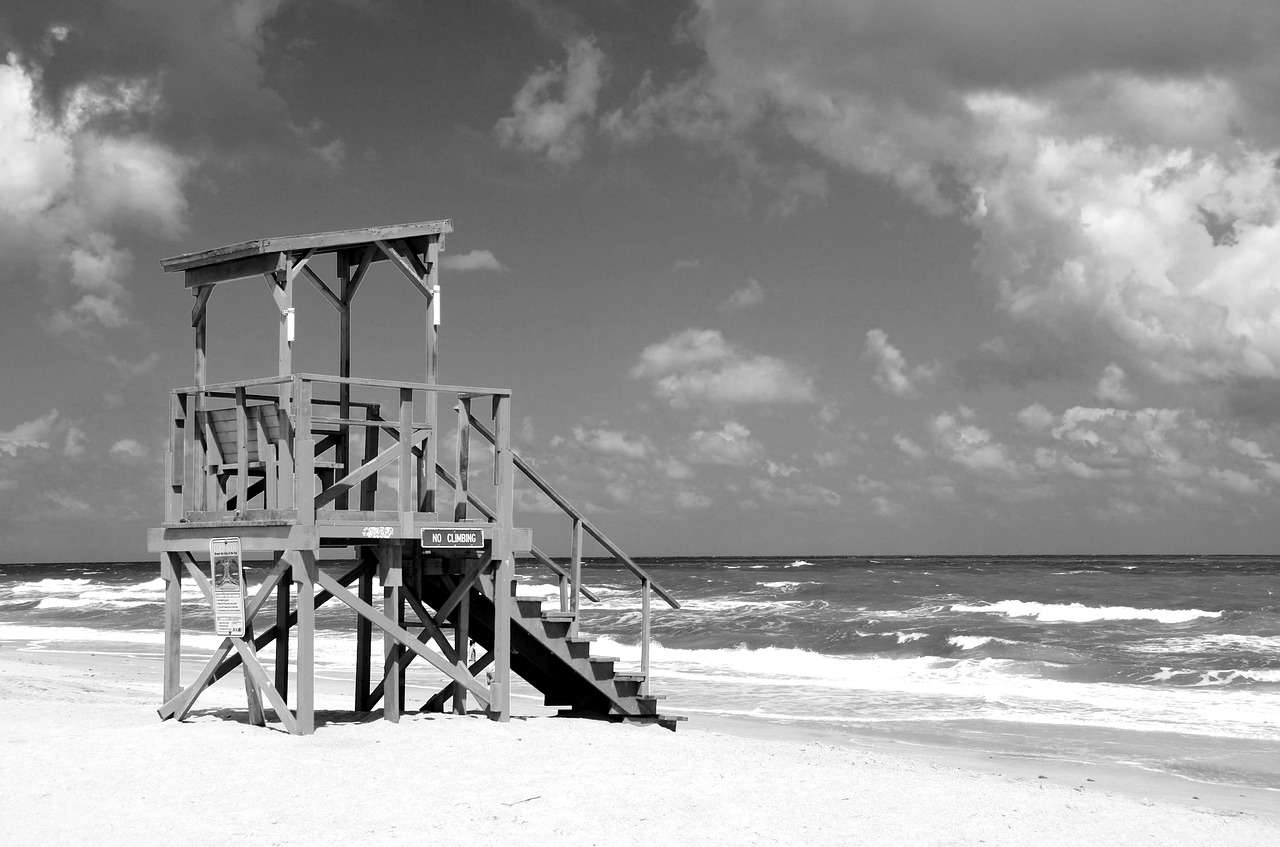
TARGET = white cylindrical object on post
(435,306)
(289,328)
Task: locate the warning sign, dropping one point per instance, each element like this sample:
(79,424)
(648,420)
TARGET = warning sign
(227,576)
(452,538)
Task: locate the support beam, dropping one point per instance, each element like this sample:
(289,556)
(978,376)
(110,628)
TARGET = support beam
(389,552)
(287,559)
(504,582)
(305,573)
(171,573)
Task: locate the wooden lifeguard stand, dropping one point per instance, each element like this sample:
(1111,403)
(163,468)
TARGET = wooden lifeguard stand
(272,463)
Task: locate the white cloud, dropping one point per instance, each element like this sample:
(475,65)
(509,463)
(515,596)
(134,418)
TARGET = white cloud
(891,371)
(805,497)
(476,260)
(732,444)
(69,188)
(128,447)
(32,435)
(1111,387)
(556,128)
(972,447)
(910,448)
(746,297)
(699,365)
(1036,417)
(1116,162)
(612,441)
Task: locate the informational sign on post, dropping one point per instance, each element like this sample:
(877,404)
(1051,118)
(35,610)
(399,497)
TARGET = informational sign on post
(227,575)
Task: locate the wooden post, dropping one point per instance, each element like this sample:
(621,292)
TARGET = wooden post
(392,607)
(644,635)
(504,583)
(407,468)
(304,453)
(462,457)
(461,643)
(427,475)
(304,574)
(283,589)
(171,572)
(364,635)
(344,368)
(242,450)
(575,570)
(281,284)
(201,374)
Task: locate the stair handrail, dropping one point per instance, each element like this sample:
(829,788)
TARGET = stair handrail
(569,509)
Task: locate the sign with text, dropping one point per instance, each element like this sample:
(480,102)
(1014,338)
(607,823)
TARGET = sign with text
(452,538)
(226,572)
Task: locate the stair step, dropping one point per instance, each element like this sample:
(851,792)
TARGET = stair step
(628,677)
(651,696)
(604,659)
(580,639)
(567,617)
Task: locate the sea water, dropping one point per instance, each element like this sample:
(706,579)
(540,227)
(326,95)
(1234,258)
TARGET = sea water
(1166,663)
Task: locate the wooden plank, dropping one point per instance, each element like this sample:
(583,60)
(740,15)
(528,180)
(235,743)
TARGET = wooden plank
(323,242)
(179,705)
(429,626)
(283,589)
(259,676)
(242,450)
(406,467)
(315,280)
(304,456)
(305,572)
(504,575)
(460,590)
(462,460)
(362,268)
(344,367)
(401,262)
(244,268)
(389,552)
(364,637)
(402,636)
(437,701)
(462,639)
(172,576)
(369,468)
(202,300)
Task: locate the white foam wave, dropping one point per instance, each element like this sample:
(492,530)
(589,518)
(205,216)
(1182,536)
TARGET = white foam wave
(908,637)
(800,563)
(784,585)
(1216,677)
(1080,613)
(52,586)
(969,642)
(83,602)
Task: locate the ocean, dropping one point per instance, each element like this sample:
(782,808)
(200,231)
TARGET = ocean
(1163,663)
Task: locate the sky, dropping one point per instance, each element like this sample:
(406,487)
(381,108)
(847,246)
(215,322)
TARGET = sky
(764,276)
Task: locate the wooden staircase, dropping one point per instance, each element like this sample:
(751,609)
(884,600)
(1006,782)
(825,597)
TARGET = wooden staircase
(549,654)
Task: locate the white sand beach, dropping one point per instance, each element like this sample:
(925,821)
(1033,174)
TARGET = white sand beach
(86,760)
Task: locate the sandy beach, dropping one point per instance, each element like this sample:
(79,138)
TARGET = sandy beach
(86,760)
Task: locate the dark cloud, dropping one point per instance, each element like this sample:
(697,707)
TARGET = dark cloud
(208,59)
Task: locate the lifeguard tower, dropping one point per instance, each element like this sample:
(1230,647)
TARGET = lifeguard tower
(290,464)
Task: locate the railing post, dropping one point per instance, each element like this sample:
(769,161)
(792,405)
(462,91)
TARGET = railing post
(408,472)
(644,636)
(242,450)
(177,472)
(463,458)
(305,453)
(504,565)
(372,435)
(575,570)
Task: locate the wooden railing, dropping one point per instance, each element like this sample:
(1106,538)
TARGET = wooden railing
(570,578)
(240,451)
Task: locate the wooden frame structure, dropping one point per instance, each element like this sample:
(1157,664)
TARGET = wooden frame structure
(273,462)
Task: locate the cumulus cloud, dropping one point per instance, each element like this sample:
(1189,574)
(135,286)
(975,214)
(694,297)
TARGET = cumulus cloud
(891,371)
(552,111)
(476,260)
(746,297)
(69,188)
(910,448)
(1112,387)
(612,441)
(32,435)
(732,444)
(1117,162)
(803,497)
(972,447)
(698,365)
(128,447)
